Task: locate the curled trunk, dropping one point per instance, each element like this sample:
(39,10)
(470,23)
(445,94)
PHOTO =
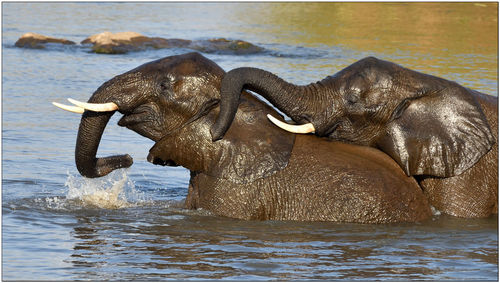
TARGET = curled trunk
(291,99)
(89,136)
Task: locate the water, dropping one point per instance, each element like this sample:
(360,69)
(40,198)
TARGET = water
(130,225)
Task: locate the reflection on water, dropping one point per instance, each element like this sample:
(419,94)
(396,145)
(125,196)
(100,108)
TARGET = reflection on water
(156,242)
(430,37)
(189,246)
(431,28)
(130,225)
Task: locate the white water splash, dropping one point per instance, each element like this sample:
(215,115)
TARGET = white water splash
(114,191)
(435,212)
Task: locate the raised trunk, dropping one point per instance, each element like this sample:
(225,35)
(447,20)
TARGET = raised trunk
(90,132)
(293,100)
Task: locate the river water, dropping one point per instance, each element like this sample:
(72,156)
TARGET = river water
(130,225)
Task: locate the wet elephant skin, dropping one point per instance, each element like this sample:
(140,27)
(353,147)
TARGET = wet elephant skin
(438,131)
(257,171)
(322,181)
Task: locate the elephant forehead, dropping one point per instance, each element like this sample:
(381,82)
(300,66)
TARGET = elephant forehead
(189,63)
(194,83)
(367,80)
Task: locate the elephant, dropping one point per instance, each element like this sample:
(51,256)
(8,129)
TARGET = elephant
(257,171)
(436,130)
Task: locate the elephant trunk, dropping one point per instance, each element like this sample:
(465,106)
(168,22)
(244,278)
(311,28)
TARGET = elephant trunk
(291,99)
(89,136)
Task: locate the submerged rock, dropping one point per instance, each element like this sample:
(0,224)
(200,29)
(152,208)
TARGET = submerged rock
(124,42)
(34,40)
(222,45)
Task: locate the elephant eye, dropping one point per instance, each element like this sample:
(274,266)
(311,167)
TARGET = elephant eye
(352,98)
(164,86)
(167,83)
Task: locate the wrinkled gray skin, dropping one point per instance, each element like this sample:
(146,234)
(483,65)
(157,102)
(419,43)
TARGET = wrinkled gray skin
(435,129)
(257,171)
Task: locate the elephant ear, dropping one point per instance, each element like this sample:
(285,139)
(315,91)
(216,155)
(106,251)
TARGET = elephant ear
(438,134)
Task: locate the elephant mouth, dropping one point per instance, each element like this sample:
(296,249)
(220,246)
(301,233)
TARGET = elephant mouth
(158,161)
(143,120)
(332,131)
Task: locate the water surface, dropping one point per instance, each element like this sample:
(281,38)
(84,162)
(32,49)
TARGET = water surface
(130,225)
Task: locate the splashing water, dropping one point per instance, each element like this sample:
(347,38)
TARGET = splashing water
(114,191)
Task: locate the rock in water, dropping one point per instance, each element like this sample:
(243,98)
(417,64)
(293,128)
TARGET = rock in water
(123,42)
(34,40)
(225,46)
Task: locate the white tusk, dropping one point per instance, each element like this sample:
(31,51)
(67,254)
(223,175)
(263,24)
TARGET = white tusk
(97,107)
(298,129)
(74,109)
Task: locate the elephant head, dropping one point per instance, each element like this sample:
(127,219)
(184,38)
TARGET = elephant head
(428,125)
(169,101)
(156,98)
